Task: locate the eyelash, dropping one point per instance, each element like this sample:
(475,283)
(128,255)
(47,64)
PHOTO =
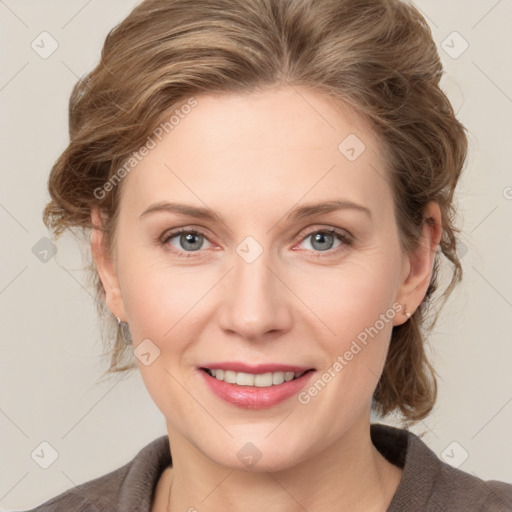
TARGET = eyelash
(342,237)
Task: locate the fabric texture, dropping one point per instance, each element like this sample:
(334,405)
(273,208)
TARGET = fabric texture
(428,484)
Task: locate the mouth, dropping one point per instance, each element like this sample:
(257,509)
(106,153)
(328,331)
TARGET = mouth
(257,387)
(259,380)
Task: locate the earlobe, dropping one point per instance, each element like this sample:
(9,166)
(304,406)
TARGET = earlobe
(421,262)
(105,266)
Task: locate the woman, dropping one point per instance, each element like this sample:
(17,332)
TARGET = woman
(215,148)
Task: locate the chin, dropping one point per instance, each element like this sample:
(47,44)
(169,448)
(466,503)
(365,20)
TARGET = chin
(257,455)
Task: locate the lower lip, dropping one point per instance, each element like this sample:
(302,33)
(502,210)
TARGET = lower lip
(253,397)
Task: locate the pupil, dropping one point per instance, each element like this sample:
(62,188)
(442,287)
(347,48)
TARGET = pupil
(188,240)
(320,237)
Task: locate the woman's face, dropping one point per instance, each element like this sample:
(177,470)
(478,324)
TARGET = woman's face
(266,279)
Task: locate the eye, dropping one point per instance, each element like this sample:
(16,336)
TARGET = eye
(187,240)
(322,240)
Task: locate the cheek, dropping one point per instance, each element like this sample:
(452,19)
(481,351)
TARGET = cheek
(354,305)
(159,298)
(349,298)
(359,312)
(161,304)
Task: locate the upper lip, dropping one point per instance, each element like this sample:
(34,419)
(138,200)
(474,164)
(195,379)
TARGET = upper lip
(256,369)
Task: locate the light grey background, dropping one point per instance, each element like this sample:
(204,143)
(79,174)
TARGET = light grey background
(50,333)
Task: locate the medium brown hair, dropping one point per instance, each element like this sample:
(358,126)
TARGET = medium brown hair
(375,55)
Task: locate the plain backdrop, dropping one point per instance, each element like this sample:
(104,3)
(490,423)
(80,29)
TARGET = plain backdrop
(51,343)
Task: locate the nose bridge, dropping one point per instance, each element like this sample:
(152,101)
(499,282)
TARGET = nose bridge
(255,302)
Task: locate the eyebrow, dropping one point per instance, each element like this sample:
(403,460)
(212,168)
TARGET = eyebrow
(309,210)
(300,212)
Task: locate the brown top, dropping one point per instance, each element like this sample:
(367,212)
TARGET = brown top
(428,484)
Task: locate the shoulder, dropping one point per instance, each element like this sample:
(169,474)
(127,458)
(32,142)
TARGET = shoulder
(430,484)
(92,496)
(458,490)
(125,488)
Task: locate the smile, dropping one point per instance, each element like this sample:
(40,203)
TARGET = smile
(254,390)
(260,380)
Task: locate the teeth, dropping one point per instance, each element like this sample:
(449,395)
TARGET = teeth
(262,380)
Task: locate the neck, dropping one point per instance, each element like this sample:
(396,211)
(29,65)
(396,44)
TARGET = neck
(351,475)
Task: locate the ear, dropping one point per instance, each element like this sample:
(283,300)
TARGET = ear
(106,267)
(414,286)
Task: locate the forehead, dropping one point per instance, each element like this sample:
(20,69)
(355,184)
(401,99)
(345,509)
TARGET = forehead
(275,147)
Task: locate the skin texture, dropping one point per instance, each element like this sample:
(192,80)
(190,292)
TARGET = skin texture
(253,158)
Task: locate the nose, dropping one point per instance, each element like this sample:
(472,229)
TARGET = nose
(256,303)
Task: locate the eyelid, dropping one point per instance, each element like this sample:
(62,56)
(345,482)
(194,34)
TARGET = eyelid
(172,233)
(346,239)
(318,229)
(342,234)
